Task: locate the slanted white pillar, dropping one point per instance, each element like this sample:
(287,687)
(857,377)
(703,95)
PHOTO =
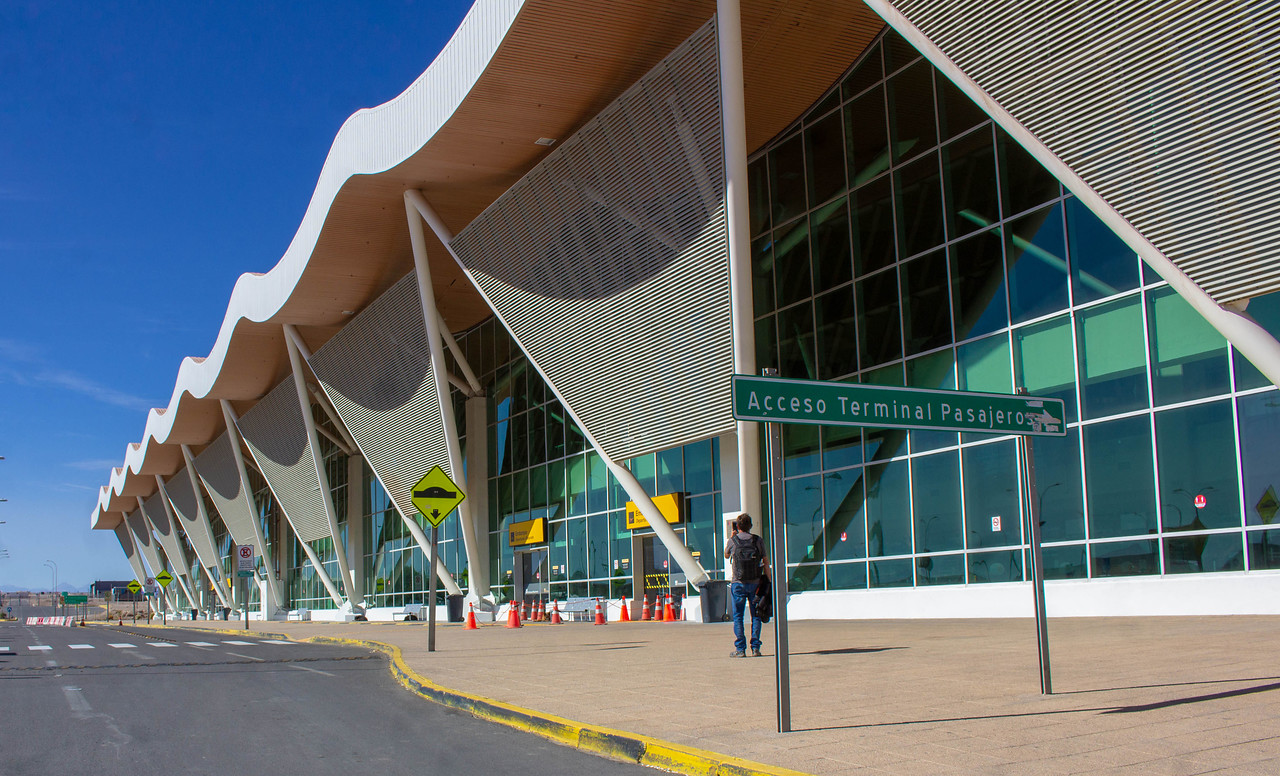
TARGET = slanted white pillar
(274,597)
(355,525)
(295,344)
(635,491)
(477,570)
(181,570)
(217,583)
(737,206)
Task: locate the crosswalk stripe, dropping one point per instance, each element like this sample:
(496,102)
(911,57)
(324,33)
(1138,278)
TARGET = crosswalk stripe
(4,649)
(240,643)
(160,644)
(81,646)
(123,646)
(40,648)
(201,644)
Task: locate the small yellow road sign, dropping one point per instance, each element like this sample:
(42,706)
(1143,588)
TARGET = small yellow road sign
(133,586)
(435,496)
(164,578)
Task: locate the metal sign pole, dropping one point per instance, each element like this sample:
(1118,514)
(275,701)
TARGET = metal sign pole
(1037,565)
(245,606)
(773,442)
(431,587)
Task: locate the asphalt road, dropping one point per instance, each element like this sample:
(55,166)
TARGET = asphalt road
(110,700)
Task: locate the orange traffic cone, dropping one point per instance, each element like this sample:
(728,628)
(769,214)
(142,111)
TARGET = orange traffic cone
(524,610)
(513,615)
(626,615)
(599,614)
(645,614)
(555,613)
(471,618)
(539,611)
(667,614)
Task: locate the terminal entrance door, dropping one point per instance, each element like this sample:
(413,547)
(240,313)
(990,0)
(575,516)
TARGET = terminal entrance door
(657,573)
(533,574)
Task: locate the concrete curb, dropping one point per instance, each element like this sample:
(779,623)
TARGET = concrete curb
(606,742)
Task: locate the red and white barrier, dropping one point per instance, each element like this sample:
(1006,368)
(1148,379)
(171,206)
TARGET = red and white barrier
(66,621)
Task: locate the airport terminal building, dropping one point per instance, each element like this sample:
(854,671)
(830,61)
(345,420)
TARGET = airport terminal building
(539,267)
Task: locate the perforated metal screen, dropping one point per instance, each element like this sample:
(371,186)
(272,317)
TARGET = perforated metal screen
(1167,110)
(164,530)
(130,548)
(377,374)
(277,437)
(217,469)
(608,261)
(143,540)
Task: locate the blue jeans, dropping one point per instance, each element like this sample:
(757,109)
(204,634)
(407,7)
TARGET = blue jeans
(741,593)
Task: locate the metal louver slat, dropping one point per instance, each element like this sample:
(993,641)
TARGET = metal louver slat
(277,437)
(377,374)
(217,469)
(1167,111)
(143,540)
(608,262)
(182,497)
(125,535)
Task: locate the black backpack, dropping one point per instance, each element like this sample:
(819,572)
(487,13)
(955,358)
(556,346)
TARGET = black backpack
(747,558)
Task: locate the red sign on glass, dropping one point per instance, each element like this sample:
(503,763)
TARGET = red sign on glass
(1201,501)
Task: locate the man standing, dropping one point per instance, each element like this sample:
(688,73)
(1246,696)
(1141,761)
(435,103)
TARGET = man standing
(750,562)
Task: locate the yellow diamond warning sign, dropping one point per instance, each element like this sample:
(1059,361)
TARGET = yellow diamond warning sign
(435,496)
(164,578)
(133,586)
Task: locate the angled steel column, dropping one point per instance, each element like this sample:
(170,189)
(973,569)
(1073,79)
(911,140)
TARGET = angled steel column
(224,594)
(160,554)
(734,120)
(635,491)
(180,563)
(477,570)
(275,598)
(1244,333)
(294,341)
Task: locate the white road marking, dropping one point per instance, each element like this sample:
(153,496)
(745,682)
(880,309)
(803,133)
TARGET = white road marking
(75,699)
(160,644)
(123,646)
(240,643)
(40,648)
(4,649)
(277,643)
(201,644)
(80,646)
(312,670)
(246,657)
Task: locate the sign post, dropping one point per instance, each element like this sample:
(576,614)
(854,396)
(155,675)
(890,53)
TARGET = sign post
(435,496)
(773,400)
(163,579)
(134,587)
(246,563)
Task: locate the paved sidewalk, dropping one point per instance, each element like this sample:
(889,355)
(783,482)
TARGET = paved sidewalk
(1136,696)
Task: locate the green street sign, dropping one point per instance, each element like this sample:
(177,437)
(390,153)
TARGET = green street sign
(133,586)
(778,400)
(74,599)
(164,578)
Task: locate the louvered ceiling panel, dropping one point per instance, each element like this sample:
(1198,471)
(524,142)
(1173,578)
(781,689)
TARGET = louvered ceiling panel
(608,262)
(276,434)
(217,469)
(1166,110)
(392,410)
(130,547)
(164,529)
(143,540)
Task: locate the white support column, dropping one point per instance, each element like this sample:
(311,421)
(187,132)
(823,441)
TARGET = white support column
(181,569)
(473,383)
(273,602)
(1244,333)
(635,491)
(295,344)
(734,120)
(325,579)
(477,572)
(478,480)
(355,525)
(224,594)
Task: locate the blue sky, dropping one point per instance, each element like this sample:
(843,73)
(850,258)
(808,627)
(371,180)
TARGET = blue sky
(150,153)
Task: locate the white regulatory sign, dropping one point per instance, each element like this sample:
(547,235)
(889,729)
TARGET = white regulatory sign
(244,554)
(995,523)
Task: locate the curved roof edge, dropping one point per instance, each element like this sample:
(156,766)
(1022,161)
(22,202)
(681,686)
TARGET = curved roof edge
(372,140)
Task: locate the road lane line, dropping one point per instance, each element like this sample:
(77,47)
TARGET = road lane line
(312,670)
(246,657)
(75,699)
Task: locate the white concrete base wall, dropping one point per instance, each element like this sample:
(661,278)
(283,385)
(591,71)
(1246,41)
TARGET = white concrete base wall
(1256,592)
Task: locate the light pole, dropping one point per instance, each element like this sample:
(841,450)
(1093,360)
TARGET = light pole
(54,568)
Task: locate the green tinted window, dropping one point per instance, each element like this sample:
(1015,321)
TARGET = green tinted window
(1113,363)
(890,573)
(879,329)
(866,137)
(800,449)
(866,73)
(1004,566)
(1266,311)
(1117,460)
(847,576)
(990,491)
(969,178)
(888,509)
(1101,264)
(1124,559)
(1264,549)
(1259,440)
(805,519)
(786,180)
(1066,562)
(1058,482)
(911,121)
(832,251)
(918,205)
(935,370)
(940,570)
(1188,356)
(845,529)
(977,285)
(1044,361)
(935,495)
(1024,182)
(791,263)
(1036,251)
(1196,554)
(797,356)
(824,155)
(956,112)
(841,446)
(837,334)
(926,306)
(871,207)
(1196,448)
(758,194)
(763,298)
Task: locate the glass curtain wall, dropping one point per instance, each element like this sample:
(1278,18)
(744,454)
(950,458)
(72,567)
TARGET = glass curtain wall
(900,238)
(305,589)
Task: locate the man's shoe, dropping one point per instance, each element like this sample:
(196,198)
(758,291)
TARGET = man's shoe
(755,653)
(737,653)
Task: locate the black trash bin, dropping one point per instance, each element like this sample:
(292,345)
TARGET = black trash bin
(715,601)
(223,613)
(195,613)
(455,608)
